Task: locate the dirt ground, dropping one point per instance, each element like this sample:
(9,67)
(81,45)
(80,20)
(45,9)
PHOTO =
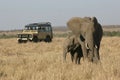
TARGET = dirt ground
(44,61)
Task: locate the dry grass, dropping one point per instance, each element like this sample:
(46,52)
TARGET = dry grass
(44,61)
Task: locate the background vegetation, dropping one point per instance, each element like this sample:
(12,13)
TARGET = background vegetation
(112,30)
(61,34)
(113,33)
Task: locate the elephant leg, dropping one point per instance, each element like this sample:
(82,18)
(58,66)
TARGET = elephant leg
(84,50)
(90,56)
(90,53)
(96,55)
(76,58)
(64,54)
(80,54)
(98,51)
(72,55)
(79,60)
(72,58)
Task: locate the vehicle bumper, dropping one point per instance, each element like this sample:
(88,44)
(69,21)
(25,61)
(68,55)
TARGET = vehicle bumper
(24,39)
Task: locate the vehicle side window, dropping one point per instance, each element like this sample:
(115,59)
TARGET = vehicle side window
(47,29)
(41,29)
(44,28)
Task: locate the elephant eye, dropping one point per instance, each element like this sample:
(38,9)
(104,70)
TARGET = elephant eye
(82,38)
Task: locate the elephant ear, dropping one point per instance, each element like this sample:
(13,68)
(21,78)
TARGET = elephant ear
(94,19)
(75,24)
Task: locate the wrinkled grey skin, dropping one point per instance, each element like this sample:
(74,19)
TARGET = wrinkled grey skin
(71,45)
(89,34)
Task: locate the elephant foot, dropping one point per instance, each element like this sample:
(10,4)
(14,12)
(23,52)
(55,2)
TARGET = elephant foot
(95,60)
(78,63)
(85,60)
(64,60)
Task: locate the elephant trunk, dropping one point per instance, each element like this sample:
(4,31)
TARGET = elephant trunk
(89,43)
(93,53)
(96,55)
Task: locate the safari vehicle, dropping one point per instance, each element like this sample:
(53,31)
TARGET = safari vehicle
(36,32)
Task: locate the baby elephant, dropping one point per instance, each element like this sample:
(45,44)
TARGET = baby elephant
(71,45)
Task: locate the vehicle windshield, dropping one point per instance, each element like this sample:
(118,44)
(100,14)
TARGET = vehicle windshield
(31,28)
(39,28)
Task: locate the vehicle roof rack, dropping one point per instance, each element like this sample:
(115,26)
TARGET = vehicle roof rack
(39,24)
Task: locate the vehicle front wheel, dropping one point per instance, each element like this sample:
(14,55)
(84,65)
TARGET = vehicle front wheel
(20,41)
(35,39)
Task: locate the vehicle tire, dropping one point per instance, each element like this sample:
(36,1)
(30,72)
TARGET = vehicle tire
(48,39)
(20,41)
(35,39)
(25,41)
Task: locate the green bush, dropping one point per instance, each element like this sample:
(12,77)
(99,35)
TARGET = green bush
(113,33)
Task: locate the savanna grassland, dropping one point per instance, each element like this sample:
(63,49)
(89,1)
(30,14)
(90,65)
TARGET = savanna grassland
(44,61)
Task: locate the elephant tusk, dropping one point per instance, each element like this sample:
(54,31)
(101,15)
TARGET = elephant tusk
(87,46)
(96,46)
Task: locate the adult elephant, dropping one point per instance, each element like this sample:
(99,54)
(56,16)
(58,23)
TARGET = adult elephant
(71,45)
(89,34)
